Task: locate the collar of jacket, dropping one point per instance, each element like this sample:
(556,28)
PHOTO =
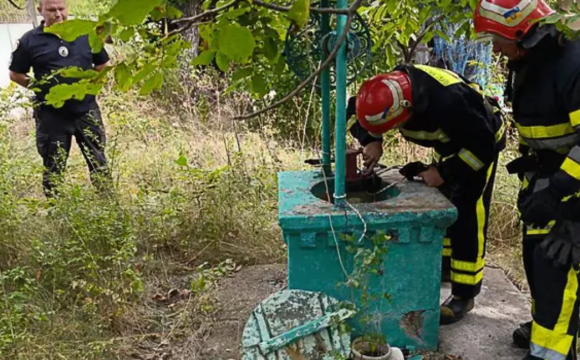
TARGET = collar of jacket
(418,88)
(542,44)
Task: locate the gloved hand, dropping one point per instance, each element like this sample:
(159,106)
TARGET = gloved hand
(539,207)
(562,245)
(413,169)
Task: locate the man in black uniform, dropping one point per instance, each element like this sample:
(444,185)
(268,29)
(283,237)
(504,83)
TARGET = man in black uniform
(545,95)
(55,127)
(439,109)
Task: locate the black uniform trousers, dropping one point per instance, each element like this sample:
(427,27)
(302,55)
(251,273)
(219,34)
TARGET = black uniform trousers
(465,241)
(54,133)
(555,294)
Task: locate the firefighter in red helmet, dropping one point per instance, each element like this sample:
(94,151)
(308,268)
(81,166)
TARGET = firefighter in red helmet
(544,90)
(439,109)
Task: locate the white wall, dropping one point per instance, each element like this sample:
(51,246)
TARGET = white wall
(9,34)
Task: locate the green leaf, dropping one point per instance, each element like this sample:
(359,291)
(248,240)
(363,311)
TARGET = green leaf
(280,65)
(236,42)
(143,73)
(203,59)
(62,92)
(223,62)
(259,85)
(271,49)
(242,73)
(133,12)
(123,76)
(552,19)
(232,14)
(157,14)
(206,31)
(173,12)
(153,83)
(96,42)
(182,161)
(300,12)
(78,73)
(70,30)
(127,34)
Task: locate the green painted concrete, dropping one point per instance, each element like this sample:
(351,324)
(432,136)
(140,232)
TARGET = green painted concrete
(416,216)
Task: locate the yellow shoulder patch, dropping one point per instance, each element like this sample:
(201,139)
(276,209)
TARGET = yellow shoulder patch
(443,76)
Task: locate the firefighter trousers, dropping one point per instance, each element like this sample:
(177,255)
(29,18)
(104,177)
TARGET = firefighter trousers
(465,242)
(555,294)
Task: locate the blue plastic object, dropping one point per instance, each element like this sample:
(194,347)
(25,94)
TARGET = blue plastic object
(414,215)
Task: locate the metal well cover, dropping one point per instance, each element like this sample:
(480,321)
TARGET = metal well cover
(297,325)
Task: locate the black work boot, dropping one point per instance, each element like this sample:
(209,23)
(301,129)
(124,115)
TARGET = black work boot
(454,309)
(531,357)
(522,335)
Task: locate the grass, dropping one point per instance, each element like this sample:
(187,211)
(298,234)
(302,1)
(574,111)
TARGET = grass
(91,276)
(195,196)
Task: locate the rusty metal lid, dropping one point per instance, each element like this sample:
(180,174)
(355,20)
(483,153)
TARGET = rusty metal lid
(297,325)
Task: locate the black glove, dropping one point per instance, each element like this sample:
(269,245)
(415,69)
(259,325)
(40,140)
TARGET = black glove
(562,245)
(413,169)
(540,206)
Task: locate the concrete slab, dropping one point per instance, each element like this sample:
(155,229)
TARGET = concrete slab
(484,334)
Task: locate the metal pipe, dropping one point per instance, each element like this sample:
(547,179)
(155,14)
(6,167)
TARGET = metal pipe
(340,140)
(325,85)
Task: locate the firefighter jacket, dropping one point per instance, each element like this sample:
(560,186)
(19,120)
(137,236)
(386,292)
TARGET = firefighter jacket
(546,108)
(450,115)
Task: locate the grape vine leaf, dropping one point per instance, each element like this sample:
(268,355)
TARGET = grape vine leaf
(270,49)
(153,83)
(242,73)
(204,58)
(300,12)
(95,42)
(222,62)
(259,85)
(133,12)
(70,30)
(236,42)
(126,34)
(123,76)
(60,93)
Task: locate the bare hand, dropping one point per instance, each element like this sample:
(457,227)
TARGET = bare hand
(431,177)
(371,155)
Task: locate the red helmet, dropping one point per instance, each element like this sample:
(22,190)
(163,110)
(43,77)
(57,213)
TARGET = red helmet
(510,19)
(384,102)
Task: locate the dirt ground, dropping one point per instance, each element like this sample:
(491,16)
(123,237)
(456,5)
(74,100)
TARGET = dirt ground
(485,331)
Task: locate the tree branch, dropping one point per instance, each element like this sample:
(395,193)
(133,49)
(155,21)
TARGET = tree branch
(351,10)
(411,52)
(312,9)
(195,18)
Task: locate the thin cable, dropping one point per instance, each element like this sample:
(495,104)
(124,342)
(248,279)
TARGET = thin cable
(330,220)
(361,219)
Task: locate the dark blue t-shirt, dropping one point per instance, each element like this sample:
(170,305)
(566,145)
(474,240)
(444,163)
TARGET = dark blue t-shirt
(45,53)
